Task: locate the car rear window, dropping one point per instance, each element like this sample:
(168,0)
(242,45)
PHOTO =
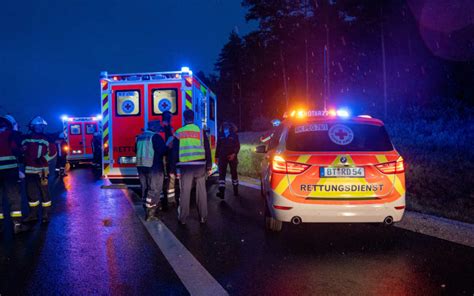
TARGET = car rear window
(338,136)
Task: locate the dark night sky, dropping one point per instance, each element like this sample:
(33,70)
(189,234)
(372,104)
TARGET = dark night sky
(52,51)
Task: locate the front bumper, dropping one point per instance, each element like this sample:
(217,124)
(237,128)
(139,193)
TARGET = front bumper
(324,213)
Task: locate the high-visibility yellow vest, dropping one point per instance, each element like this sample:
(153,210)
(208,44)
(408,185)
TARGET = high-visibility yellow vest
(191,143)
(145,151)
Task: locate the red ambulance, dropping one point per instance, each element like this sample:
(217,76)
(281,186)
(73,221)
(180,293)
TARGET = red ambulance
(129,101)
(78,133)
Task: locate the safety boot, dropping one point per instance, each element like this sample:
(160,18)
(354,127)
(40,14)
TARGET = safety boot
(151,214)
(32,216)
(19,227)
(45,216)
(236,190)
(221,192)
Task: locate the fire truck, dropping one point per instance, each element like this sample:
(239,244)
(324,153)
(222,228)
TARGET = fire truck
(130,101)
(78,133)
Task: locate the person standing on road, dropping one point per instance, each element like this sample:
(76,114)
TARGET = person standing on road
(97,149)
(37,150)
(62,147)
(150,149)
(170,179)
(192,163)
(228,147)
(9,174)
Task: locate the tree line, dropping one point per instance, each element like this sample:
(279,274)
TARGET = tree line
(368,56)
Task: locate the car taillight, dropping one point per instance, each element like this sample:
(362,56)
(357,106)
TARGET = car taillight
(393,167)
(280,165)
(66,148)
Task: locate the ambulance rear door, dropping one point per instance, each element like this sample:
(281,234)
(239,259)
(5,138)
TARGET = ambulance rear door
(90,128)
(165,96)
(75,135)
(127,115)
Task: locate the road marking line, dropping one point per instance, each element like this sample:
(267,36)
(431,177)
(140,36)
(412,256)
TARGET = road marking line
(196,279)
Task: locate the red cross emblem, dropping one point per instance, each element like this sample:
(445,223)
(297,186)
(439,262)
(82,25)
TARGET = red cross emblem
(341,134)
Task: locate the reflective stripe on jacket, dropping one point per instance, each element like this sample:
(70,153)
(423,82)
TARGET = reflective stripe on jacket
(145,150)
(191,146)
(8,159)
(52,152)
(36,148)
(8,162)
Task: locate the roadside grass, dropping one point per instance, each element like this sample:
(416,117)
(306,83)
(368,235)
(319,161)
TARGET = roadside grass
(437,146)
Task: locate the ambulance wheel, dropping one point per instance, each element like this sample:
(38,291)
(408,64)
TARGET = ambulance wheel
(271,223)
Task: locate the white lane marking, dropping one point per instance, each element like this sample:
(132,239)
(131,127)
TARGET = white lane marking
(196,279)
(439,227)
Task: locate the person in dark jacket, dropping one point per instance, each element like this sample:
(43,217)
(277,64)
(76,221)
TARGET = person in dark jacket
(150,149)
(228,147)
(62,147)
(97,149)
(170,191)
(191,162)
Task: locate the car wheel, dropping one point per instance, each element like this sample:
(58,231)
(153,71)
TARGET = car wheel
(271,223)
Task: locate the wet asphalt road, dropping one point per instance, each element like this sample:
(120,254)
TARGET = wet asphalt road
(95,244)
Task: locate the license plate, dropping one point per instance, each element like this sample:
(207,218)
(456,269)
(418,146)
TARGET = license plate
(341,172)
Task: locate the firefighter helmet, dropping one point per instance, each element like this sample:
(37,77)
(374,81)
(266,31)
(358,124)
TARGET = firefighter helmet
(12,121)
(5,123)
(38,120)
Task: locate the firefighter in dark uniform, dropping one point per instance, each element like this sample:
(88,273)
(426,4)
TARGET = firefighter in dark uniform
(37,150)
(9,174)
(228,147)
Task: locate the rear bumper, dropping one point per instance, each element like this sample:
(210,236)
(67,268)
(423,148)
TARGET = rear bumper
(314,213)
(79,157)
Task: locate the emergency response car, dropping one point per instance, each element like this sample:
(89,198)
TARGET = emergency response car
(129,101)
(328,166)
(78,133)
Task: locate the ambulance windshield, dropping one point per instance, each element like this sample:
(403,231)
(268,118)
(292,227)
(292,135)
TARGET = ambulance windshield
(338,136)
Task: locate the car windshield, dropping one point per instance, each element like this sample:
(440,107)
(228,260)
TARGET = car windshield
(338,136)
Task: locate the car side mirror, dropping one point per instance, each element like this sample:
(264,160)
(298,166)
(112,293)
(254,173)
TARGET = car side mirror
(276,122)
(261,149)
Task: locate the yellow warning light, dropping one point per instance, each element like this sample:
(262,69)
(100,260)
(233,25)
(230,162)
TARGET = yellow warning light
(301,114)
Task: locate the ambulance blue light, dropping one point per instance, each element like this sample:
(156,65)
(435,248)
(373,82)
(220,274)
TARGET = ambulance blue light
(99,117)
(64,117)
(342,113)
(186,70)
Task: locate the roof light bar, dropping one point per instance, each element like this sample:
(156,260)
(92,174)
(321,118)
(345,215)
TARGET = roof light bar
(186,70)
(342,113)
